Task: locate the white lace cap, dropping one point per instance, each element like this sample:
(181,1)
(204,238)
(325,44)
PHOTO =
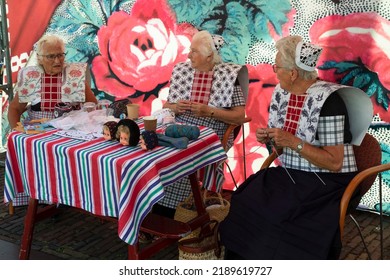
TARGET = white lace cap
(307,55)
(218,41)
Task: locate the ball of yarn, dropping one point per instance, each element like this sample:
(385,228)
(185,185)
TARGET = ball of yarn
(192,132)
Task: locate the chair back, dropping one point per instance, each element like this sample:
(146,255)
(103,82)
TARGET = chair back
(367,155)
(235,129)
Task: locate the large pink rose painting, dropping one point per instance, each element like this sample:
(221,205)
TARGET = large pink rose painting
(356,52)
(138,52)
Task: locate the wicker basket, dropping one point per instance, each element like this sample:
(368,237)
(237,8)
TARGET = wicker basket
(205,246)
(216,206)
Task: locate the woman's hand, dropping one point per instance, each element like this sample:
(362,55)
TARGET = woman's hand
(182,106)
(262,135)
(200,110)
(281,138)
(328,157)
(278,137)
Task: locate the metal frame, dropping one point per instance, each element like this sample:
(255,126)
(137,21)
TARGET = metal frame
(7,88)
(4,45)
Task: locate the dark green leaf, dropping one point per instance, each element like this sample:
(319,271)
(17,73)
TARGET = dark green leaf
(361,80)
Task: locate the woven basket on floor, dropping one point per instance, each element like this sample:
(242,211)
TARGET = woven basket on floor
(205,246)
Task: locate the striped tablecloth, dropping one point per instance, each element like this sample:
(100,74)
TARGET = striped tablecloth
(102,177)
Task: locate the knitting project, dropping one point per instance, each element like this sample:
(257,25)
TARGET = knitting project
(179,142)
(192,132)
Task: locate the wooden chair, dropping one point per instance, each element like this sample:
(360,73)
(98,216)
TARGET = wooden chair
(368,158)
(369,161)
(235,129)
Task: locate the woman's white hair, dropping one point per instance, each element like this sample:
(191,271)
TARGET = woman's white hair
(208,46)
(51,40)
(287,48)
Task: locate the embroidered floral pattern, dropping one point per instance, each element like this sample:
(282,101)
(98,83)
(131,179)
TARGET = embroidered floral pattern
(28,86)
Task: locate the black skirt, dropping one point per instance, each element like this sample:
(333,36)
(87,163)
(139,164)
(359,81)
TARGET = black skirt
(271,217)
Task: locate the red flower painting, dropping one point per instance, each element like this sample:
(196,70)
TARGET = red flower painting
(139,50)
(356,53)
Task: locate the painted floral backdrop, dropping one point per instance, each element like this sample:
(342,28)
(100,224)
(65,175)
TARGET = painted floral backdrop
(132,46)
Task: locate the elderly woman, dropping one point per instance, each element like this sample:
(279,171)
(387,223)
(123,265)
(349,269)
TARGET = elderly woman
(204,92)
(52,82)
(291,211)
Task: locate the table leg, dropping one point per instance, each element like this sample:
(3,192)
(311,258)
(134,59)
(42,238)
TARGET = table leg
(29,223)
(133,252)
(199,204)
(160,226)
(11,209)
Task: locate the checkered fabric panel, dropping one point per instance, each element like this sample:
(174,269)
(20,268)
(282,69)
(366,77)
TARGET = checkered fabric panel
(330,132)
(22,199)
(51,91)
(201,87)
(176,193)
(294,108)
(36,115)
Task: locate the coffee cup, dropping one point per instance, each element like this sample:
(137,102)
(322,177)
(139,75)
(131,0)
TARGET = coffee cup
(132,111)
(150,123)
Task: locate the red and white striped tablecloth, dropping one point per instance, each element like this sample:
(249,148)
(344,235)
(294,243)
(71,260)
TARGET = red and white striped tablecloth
(102,177)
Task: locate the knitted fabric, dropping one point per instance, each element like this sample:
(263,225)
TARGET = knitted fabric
(150,139)
(178,142)
(192,132)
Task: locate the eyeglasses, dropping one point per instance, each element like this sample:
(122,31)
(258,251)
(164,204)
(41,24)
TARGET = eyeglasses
(275,67)
(52,57)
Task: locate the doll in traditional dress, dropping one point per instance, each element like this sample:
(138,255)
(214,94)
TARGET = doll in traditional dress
(109,130)
(128,132)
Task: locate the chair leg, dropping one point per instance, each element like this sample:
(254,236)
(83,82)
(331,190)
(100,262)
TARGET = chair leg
(381,214)
(361,235)
(243,149)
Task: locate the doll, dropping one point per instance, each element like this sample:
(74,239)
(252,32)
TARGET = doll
(109,130)
(149,140)
(128,132)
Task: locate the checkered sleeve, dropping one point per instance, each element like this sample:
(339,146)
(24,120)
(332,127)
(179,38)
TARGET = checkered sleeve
(331,130)
(237,97)
(330,133)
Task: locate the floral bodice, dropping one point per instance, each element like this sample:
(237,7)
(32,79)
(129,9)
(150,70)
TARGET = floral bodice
(28,86)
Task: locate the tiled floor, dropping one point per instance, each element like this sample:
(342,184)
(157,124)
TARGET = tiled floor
(10,251)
